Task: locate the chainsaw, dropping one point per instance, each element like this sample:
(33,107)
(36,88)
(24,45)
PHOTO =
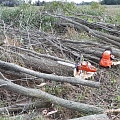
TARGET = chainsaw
(81,69)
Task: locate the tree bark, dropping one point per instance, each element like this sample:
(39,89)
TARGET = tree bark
(73,80)
(50,98)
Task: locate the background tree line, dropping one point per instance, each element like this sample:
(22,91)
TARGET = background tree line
(110,2)
(11,3)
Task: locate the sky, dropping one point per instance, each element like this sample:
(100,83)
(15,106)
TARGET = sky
(76,1)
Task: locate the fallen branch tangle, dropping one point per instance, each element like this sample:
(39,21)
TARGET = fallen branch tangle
(50,41)
(87,29)
(52,46)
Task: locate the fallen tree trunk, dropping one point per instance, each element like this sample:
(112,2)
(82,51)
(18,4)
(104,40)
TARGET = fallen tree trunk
(73,80)
(15,74)
(93,117)
(98,25)
(47,66)
(39,62)
(50,98)
(94,51)
(90,31)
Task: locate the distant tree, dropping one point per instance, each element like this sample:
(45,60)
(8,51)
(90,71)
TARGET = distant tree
(43,2)
(110,2)
(85,3)
(94,5)
(30,1)
(38,3)
(11,3)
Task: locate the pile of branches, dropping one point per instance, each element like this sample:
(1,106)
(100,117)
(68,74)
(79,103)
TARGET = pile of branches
(33,55)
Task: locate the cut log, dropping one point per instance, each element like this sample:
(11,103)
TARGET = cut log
(73,80)
(86,108)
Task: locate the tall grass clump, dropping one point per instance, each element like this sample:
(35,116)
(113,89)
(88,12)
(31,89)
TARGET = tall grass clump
(117,17)
(21,16)
(59,7)
(26,16)
(93,9)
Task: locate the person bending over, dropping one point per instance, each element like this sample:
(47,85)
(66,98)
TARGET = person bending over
(107,58)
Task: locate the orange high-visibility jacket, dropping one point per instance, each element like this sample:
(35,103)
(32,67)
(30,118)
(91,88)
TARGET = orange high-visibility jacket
(106,59)
(86,66)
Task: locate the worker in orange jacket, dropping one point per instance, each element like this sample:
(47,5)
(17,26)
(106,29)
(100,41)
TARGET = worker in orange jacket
(107,58)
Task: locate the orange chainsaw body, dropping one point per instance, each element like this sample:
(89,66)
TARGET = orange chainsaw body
(86,66)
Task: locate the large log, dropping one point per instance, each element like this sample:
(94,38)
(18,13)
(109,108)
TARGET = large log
(73,80)
(7,84)
(40,62)
(47,66)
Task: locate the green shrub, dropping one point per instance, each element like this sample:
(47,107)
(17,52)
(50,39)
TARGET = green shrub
(26,17)
(60,7)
